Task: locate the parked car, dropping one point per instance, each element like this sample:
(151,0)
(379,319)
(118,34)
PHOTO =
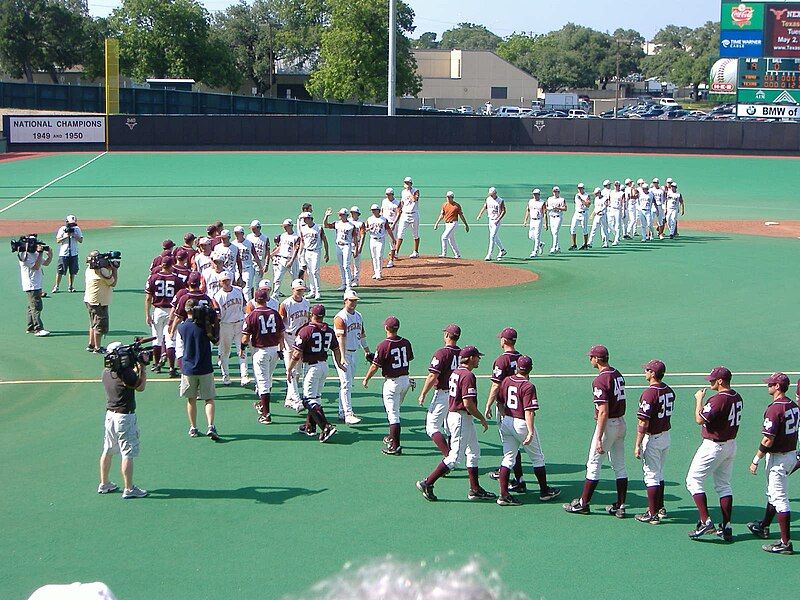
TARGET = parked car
(466,110)
(427,108)
(555,114)
(508,111)
(697,114)
(576,113)
(667,101)
(449,110)
(672,115)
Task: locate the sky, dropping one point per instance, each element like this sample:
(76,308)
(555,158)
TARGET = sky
(504,17)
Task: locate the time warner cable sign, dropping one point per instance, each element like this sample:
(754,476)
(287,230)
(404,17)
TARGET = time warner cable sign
(57,130)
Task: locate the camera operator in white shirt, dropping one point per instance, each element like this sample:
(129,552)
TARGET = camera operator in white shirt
(30,266)
(68,236)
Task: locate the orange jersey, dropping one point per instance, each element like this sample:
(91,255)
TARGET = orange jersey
(451,211)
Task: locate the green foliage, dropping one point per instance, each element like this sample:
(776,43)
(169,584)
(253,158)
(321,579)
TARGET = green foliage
(469,36)
(684,56)
(426,41)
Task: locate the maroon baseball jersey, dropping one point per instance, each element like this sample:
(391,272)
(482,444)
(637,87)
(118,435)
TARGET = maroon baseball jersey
(393,355)
(443,362)
(155,264)
(517,395)
(265,327)
(721,415)
(463,385)
(314,340)
(609,388)
(162,288)
(780,423)
(199,299)
(655,407)
(504,365)
(182,272)
(190,252)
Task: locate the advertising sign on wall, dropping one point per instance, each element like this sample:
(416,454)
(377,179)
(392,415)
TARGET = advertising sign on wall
(57,130)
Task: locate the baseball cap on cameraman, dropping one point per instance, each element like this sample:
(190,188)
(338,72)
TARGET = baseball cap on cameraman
(167,261)
(719,373)
(509,333)
(453,329)
(261,295)
(355,209)
(298,284)
(656,366)
(318,310)
(389,191)
(350,295)
(606,182)
(392,322)
(287,222)
(407,180)
(255,223)
(225,233)
(469,352)
(166,244)
(71,219)
(598,351)
(193,279)
(779,379)
(374,207)
(238,229)
(524,364)
(265,284)
(113,346)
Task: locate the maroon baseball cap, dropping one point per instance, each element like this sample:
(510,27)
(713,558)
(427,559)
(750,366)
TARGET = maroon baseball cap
(780,379)
(166,244)
(167,261)
(166,252)
(180,254)
(656,366)
(188,237)
(211,229)
(318,310)
(508,333)
(193,279)
(392,322)
(598,351)
(469,352)
(524,364)
(453,329)
(262,295)
(719,373)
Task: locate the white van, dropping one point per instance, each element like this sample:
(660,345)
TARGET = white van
(577,113)
(667,102)
(508,111)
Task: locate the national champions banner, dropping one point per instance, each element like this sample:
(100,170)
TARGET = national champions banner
(57,130)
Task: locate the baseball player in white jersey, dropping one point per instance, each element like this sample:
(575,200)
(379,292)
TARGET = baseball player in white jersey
(301,259)
(631,210)
(378,228)
(212,278)
(294,311)
(599,217)
(361,229)
(249,261)
(409,218)
(675,207)
(312,236)
(264,284)
(644,214)
(657,193)
(616,208)
(580,217)
(229,301)
(535,217)
(495,209)
(556,207)
(390,209)
(202,260)
(229,254)
(346,238)
(261,251)
(284,258)
(349,328)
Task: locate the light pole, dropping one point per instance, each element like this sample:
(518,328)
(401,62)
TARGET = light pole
(392,58)
(616,93)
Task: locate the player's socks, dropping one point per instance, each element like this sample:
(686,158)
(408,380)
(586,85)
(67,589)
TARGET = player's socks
(171,357)
(652,498)
(440,470)
(622,490)
(518,467)
(394,434)
(441,443)
(726,506)
(784,519)
(264,403)
(588,489)
(157,354)
(769,514)
(541,478)
(660,502)
(702,506)
(473,478)
(503,482)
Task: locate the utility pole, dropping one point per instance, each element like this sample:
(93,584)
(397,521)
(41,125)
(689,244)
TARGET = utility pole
(390,94)
(616,93)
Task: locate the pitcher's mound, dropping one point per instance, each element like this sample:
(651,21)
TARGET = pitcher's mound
(434,273)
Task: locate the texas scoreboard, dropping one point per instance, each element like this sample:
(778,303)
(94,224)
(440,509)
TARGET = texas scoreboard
(769,73)
(760,28)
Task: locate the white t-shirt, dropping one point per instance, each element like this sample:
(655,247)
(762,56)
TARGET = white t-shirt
(228,255)
(344,232)
(389,209)
(260,244)
(296,316)
(408,204)
(69,247)
(353,328)
(287,243)
(31,279)
(312,237)
(377,227)
(493,208)
(231,305)
(246,252)
(535,209)
(616,200)
(580,202)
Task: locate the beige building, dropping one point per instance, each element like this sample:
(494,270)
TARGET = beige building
(452,78)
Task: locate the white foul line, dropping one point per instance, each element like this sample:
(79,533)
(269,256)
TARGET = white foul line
(49,183)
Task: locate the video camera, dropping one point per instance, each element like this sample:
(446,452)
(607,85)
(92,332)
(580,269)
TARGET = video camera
(69,227)
(126,356)
(28,243)
(207,318)
(103,260)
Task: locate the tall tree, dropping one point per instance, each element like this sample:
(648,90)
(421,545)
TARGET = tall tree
(469,36)
(684,56)
(426,41)
(354,53)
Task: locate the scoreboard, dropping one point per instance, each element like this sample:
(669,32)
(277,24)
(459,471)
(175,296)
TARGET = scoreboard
(769,73)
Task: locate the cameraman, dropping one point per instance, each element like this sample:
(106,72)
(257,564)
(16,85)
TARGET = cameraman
(197,372)
(68,236)
(100,282)
(30,267)
(121,430)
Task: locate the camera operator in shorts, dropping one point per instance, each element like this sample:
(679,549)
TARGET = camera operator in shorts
(101,278)
(124,375)
(198,332)
(68,236)
(32,256)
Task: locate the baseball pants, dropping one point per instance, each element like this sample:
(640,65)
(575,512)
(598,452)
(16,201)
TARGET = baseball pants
(463,440)
(555,225)
(314,381)
(405,223)
(630,225)
(712,458)
(672,221)
(264,362)
(535,235)
(312,269)
(449,237)
(436,419)
(645,223)
(654,453)
(355,273)
(279,268)
(178,344)
(159,327)
(394,391)
(248,282)
(346,383)
(344,254)
(230,334)
(293,386)
(599,222)
(779,465)
(376,252)
(614,447)
(615,223)
(658,215)
(579,219)
(512,433)
(494,238)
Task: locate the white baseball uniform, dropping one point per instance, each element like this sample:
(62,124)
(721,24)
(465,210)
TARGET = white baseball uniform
(376,228)
(512,433)
(556,205)
(644,205)
(296,314)
(632,212)
(616,204)
(674,203)
(312,247)
(614,446)
(535,224)
(463,440)
(658,205)
(356,273)
(354,339)
(600,220)
(248,266)
(213,283)
(494,206)
(231,314)
(261,247)
(284,262)
(409,213)
(203,263)
(344,242)
(228,254)
(581,214)
(390,210)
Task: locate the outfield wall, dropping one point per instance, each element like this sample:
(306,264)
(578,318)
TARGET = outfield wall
(439,132)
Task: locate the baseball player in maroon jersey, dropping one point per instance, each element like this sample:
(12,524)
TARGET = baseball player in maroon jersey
(443,362)
(167,248)
(779,445)
(263,329)
(463,405)
(311,347)
(182,268)
(652,438)
(796,399)
(393,356)
(503,366)
(160,289)
(516,407)
(608,395)
(719,423)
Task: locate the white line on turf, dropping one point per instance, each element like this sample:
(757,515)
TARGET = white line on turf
(49,183)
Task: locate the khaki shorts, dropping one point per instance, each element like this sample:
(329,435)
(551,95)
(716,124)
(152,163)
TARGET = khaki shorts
(198,386)
(98,318)
(121,435)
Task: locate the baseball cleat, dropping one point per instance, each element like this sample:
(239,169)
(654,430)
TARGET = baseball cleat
(351,419)
(778,548)
(156,368)
(672,236)
(757,529)
(173,373)
(288,403)
(226,380)
(503,252)
(387,440)
(508,501)
(647,518)
(576,507)
(572,248)
(54,290)
(212,433)
(414,254)
(616,511)
(488,258)
(481,494)
(550,494)
(702,529)
(244,381)
(310,431)
(90,348)
(134,492)
(265,419)
(605,245)
(100,350)
(72,290)
(725,533)
(105,488)
(317,296)
(584,247)
(193,432)
(389,264)
(518,487)
(427,491)
(662,513)
(495,475)
(392,451)
(327,433)
(532,255)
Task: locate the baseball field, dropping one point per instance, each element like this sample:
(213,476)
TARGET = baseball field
(267,512)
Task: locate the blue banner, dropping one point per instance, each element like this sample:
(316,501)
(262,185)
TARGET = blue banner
(741,44)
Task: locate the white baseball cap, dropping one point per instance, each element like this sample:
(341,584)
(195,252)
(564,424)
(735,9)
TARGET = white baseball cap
(407,180)
(655,179)
(342,211)
(224,276)
(374,207)
(628,180)
(674,184)
(492,190)
(287,222)
(536,191)
(389,191)
(265,284)
(616,182)
(305,215)
(350,295)
(255,223)
(355,209)
(298,284)
(556,188)
(669,180)
(225,233)
(203,240)
(640,181)
(597,190)
(607,182)
(72,219)
(238,229)
(450,194)
(580,185)
(217,257)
